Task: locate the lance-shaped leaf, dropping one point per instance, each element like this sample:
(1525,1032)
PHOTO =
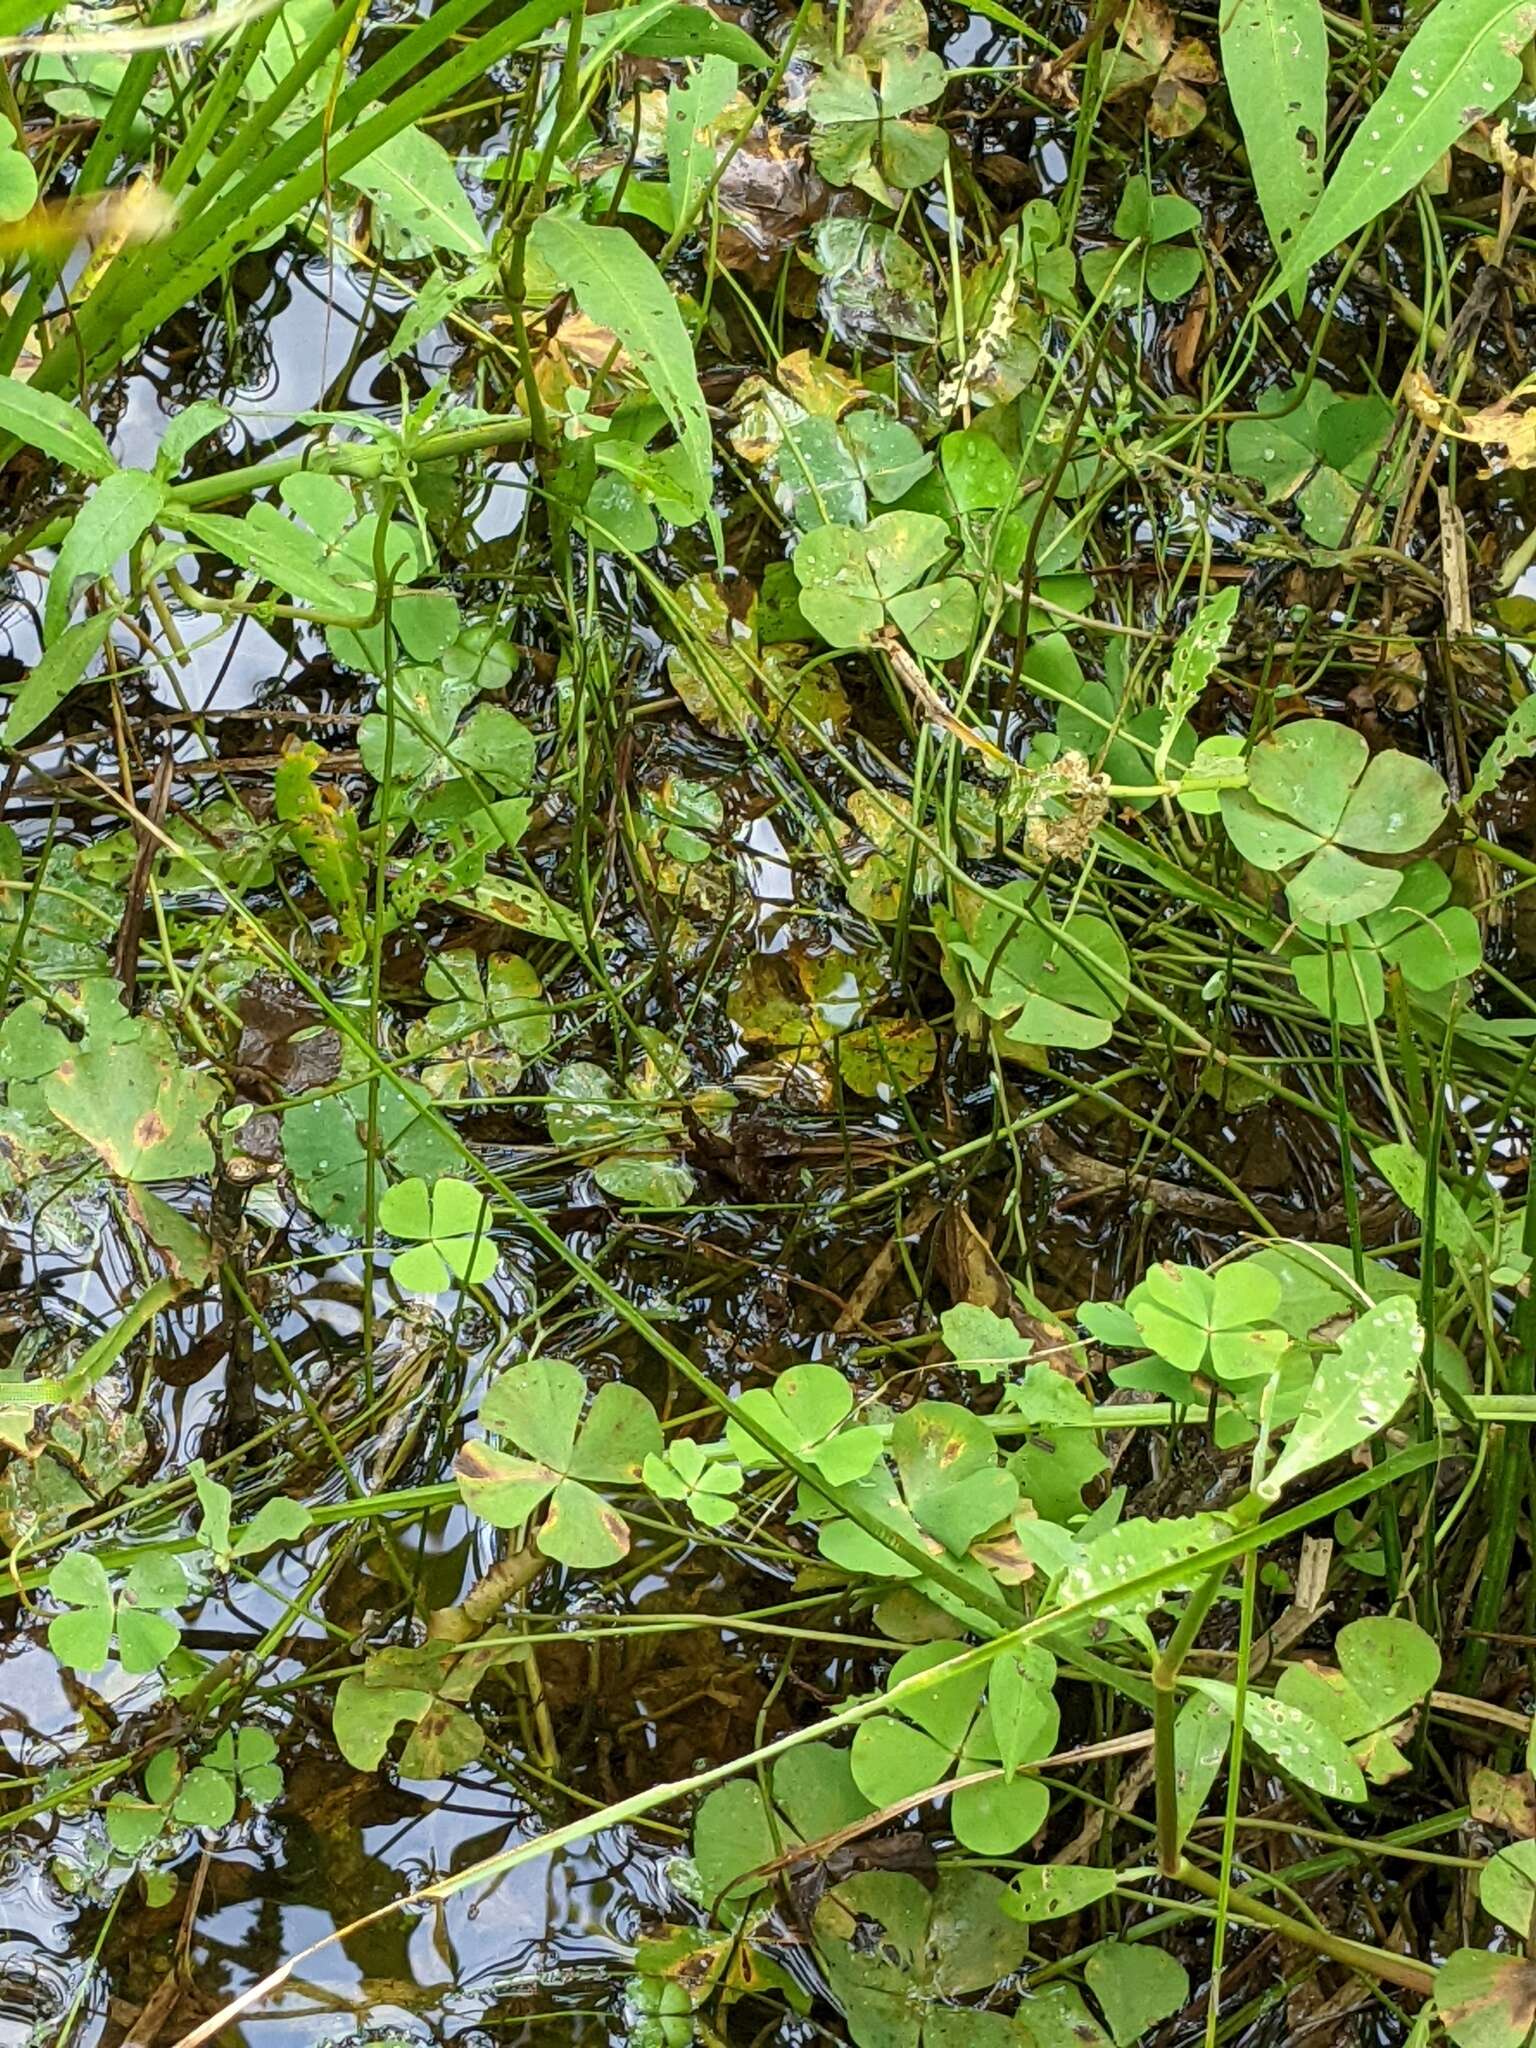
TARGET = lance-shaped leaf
(1357,1391)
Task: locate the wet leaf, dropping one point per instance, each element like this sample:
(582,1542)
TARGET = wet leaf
(138,1107)
(1357,1391)
(1305,1747)
(927,1947)
(1462,61)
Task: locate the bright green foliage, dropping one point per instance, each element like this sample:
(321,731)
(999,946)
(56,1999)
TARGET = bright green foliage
(1220,1322)
(451,1223)
(627,1137)
(1507,1887)
(982,1341)
(241,1764)
(1154,260)
(618,287)
(1308,1748)
(863,98)
(1051,1890)
(1274,55)
(685,1472)
(1357,1391)
(1387,1668)
(137,1106)
(538,1408)
(809,1411)
(1461,63)
(278,1520)
(95,1612)
(948,1730)
(736,1833)
(325,1147)
(940,1491)
(1316,800)
(1421,935)
(415,191)
(324,829)
(853,582)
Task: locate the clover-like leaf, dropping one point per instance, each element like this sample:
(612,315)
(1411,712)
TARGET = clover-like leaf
(808,1410)
(853,579)
(948,1729)
(1040,983)
(538,1407)
(736,1831)
(917,1950)
(1317,799)
(489,1017)
(1421,934)
(450,1222)
(1137,1984)
(686,1472)
(95,1612)
(1387,1666)
(1221,1321)
(629,1142)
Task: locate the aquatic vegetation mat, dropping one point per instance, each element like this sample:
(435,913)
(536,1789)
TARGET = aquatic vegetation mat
(767,1057)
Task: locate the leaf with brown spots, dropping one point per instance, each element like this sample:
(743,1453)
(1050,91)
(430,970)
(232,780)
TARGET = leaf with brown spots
(1486,2000)
(136,1106)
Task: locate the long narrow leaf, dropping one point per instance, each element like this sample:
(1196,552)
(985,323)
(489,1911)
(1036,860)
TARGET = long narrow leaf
(1463,61)
(1274,54)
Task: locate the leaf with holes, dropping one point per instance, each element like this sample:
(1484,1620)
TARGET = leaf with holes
(1357,1391)
(1463,60)
(1274,54)
(1307,1748)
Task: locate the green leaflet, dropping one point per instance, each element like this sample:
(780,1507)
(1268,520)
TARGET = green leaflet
(1357,1391)
(691,107)
(58,671)
(1274,54)
(617,285)
(114,518)
(46,422)
(1463,61)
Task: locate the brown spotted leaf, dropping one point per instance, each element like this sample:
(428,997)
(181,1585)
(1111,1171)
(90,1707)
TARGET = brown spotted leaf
(138,1107)
(1486,2000)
